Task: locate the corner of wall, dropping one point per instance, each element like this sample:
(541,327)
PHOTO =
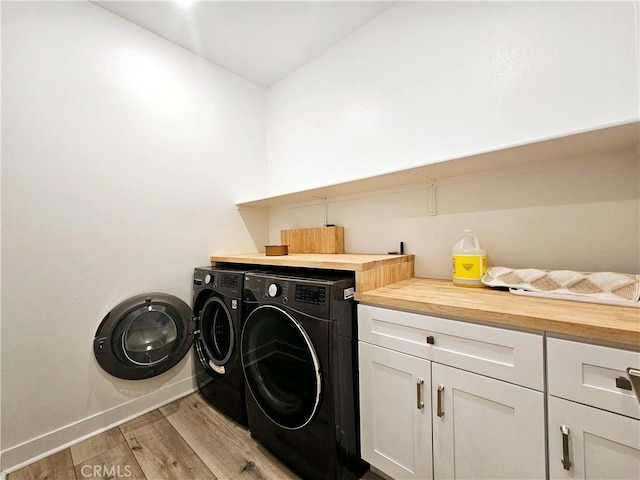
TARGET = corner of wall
(35,449)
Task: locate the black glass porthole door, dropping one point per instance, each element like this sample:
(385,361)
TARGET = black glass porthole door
(216,344)
(281,367)
(144,336)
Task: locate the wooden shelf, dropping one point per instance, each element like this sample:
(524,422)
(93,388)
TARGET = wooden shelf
(606,139)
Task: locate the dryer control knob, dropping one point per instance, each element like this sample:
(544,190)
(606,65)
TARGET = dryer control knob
(207,279)
(274,290)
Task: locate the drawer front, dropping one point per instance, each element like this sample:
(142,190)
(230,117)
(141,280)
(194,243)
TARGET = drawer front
(515,357)
(593,375)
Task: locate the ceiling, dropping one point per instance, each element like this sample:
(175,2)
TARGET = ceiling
(261,41)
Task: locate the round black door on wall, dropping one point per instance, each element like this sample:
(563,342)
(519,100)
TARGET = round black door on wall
(281,367)
(144,336)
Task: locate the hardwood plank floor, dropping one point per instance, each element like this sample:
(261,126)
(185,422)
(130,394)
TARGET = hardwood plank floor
(184,440)
(96,445)
(58,465)
(226,447)
(161,452)
(117,462)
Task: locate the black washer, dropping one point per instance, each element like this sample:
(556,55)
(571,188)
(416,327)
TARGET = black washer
(217,306)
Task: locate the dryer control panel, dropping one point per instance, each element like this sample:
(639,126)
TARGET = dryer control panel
(317,297)
(311,294)
(295,292)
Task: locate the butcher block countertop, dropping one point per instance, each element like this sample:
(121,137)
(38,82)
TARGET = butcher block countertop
(587,321)
(335,261)
(371,270)
(388,281)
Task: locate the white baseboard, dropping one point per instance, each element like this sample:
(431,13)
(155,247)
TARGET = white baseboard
(35,449)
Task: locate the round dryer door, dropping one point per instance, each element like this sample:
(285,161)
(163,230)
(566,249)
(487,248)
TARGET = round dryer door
(144,336)
(216,345)
(281,367)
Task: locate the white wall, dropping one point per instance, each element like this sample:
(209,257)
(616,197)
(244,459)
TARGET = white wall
(122,155)
(580,213)
(431,81)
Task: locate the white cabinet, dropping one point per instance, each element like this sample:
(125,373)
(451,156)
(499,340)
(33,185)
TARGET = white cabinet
(485,428)
(594,426)
(473,426)
(589,443)
(515,357)
(396,431)
(593,375)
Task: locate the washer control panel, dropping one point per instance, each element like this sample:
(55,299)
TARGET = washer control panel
(274,290)
(226,282)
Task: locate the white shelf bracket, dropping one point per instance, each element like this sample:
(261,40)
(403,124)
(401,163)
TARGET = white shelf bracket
(431,195)
(325,208)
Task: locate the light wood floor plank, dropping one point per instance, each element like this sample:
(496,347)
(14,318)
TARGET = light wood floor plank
(223,445)
(58,466)
(113,463)
(141,421)
(161,452)
(96,445)
(186,440)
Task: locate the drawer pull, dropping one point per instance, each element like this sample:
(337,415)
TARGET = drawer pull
(440,408)
(431,340)
(623,383)
(419,387)
(566,463)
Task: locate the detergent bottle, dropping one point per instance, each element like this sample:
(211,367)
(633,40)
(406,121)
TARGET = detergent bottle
(469,261)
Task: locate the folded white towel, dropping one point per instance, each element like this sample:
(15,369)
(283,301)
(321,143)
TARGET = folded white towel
(603,285)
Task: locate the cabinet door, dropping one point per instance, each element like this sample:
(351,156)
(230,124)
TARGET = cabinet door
(485,428)
(395,412)
(596,444)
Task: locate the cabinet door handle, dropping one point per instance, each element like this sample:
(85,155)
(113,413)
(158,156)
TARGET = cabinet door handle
(431,340)
(566,462)
(440,408)
(419,387)
(634,376)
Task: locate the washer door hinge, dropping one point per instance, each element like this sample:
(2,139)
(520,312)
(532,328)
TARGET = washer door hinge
(194,326)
